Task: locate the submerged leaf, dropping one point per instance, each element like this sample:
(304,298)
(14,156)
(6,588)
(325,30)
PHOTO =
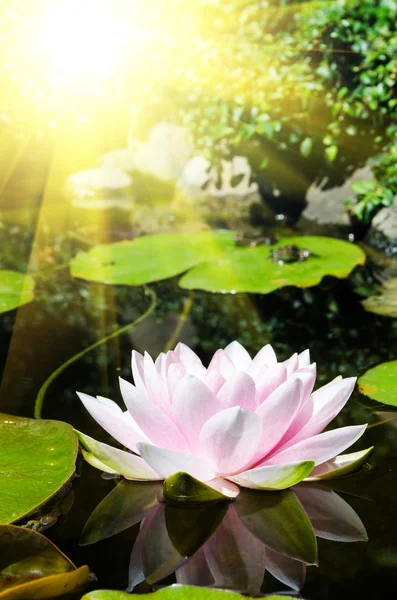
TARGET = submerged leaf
(32,567)
(16,289)
(380,383)
(37,458)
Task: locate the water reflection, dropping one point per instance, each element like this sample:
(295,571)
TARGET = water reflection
(226,545)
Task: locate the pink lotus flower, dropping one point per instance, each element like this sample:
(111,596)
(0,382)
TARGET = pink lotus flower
(252,422)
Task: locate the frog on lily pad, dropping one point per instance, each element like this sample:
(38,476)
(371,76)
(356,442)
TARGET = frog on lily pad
(290,253)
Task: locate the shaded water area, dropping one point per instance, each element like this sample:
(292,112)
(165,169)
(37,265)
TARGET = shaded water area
(229,545)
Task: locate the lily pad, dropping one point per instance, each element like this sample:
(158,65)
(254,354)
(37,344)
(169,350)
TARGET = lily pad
(16,289)
(380,383)
(32,567)
(175,592)
(253,270)
(184,488)
(37,458)
(150,258)
(386,303)
(216,264)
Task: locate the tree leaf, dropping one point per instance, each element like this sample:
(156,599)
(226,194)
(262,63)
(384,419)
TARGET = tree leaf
(16,289)
(380,383)
(306,147)
(253,270)
(37,458)
(32,567)
(331,153)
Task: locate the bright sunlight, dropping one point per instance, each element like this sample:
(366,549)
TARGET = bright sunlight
(83,39)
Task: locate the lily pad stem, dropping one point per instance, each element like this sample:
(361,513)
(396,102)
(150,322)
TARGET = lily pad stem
(43,390)
(181,321)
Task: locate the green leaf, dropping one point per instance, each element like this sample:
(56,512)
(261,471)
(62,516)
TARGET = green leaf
(127,504)
(16,289)
(279,521)
(364,186)
(150,258)
(37,458)
(386,303)
(331,153)
(182,487)
(342,465)
(216,263)
(380,383)
(32,567)
(253,270)
(189,527)
(306,147)
(175,592)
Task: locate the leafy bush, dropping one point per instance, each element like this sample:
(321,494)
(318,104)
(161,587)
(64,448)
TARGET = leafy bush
(313,78)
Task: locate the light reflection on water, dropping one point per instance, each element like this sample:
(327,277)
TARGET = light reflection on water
(225,545)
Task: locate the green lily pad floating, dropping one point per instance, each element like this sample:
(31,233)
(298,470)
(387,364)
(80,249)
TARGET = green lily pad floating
(37,458)
(16,289)
(386,303)
(32,567)
(380,383)
(211,261)
(150,258)
(175,592)
(253,270)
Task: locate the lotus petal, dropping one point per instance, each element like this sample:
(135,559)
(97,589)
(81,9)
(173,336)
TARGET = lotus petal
(167,462)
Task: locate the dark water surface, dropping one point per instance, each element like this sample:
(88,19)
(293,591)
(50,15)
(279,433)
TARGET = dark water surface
(230,544)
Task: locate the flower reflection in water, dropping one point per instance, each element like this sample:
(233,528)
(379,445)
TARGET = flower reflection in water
(221,544)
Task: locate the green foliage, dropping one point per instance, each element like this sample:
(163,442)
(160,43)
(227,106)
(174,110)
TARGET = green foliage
(32,567)
(380,383)
(281,65)
(37,458)
(16,289)
(216,264)
(373,194)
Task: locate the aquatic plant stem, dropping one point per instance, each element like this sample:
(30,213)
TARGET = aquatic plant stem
(43,390)
(181,321)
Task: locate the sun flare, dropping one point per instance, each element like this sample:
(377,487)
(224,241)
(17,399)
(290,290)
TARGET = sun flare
(83,39)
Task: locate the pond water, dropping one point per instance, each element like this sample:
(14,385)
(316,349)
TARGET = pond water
(229,545)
